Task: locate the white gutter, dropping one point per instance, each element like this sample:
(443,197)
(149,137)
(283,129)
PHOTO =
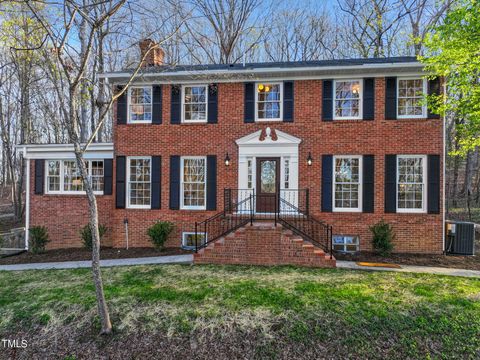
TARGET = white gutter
(444,168)
(247,71)
(27,199)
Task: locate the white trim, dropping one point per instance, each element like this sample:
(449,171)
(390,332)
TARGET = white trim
(27,204)
(184,233)
(182,206)
(257,119)
(360,100)
(183,104)
(95,151)
(360,184)
(62,177)
(129,95)
(425,183)
(129,206)
(344,244)
(424,107)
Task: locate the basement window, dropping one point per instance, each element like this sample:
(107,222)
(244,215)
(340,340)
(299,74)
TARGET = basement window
(188,240)
(346,243)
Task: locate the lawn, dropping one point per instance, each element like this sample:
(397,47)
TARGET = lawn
(183,311)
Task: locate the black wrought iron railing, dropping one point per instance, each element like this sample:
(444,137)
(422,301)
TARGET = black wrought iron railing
(290,207)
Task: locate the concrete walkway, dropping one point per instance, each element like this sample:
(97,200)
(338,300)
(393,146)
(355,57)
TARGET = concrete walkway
(187,259)
(173,259)
(412,269)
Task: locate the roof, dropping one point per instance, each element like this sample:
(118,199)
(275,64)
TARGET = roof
(271,69)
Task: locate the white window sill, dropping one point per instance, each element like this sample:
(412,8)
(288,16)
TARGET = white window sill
(194,121)
(411,211)
(193,208)
(347,118)
(72,193)
(146,207)
(346,210)
(139,122)
(268,120)
(412,117)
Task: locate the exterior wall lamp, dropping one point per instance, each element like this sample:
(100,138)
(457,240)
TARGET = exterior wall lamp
(309,159)
(227,160)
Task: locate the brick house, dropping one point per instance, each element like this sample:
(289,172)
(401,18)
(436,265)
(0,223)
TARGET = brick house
(344,142)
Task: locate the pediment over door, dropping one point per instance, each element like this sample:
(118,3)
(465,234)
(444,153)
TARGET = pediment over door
(268,136)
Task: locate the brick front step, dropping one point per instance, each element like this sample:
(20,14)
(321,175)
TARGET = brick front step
(263,243)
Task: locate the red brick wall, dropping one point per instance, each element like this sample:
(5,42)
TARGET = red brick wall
(415,232)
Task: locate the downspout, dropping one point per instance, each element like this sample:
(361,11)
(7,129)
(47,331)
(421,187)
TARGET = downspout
(27,200)
(444,197)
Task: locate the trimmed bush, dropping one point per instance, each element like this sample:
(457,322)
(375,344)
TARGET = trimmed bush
(38,239)
(383,236)
(159,232)
(86,235)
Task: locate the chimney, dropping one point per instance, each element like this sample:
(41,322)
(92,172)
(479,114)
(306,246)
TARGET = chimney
(154,57)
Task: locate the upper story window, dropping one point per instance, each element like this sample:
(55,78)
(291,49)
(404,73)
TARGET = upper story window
(63,176)
(139,182)
(194,100)
(268,102)
(409,98)
(347,183)
(140,104)
(193,187)
(411,170)
(348,99)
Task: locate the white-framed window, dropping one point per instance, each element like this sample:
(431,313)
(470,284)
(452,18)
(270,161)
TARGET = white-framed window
(346,243)
(411,183)
(140,100)
(286,174)
(347,103)
(249,174)
(410,96)
(347,183)
(139,182)
(194,103)
(188,239)
(268,101)
(63,176)
(193,182)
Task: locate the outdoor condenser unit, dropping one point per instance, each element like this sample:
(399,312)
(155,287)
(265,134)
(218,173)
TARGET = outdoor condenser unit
(460,238)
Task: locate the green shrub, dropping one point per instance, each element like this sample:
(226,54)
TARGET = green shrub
(159,232)
(38,239)
(383,236)
(86,235)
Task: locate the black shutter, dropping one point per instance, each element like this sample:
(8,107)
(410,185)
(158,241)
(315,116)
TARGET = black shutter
(39,176)
(176,105)
(157,104)
(212,104)
(433,89)
(390,183)
(368,183)
(433,178)
(327,174)
(174,182)
(107,176)
(368,99)
(211,182)
(327,102)
(249,111)
(390,98)
(122,106)
(120,182)
(156,182)
(288,101)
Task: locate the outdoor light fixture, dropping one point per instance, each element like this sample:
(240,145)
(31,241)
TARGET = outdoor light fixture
(227,160)
(309,159)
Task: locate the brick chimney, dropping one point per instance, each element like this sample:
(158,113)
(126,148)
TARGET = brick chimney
(154,57)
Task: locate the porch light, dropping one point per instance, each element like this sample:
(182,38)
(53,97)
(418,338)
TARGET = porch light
(309,159)
(227,160)
(260,87)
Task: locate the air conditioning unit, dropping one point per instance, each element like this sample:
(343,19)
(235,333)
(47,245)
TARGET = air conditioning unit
(460,238)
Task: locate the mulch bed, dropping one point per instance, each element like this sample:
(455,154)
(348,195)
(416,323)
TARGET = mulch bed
(83,254)
(448,261)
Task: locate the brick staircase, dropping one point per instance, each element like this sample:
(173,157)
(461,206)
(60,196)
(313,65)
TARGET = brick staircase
(263,243)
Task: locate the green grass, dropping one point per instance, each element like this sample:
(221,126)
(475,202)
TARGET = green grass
(369,314)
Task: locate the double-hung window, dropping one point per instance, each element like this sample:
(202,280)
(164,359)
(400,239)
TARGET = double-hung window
(139,182)
(410,98)
(347,183)
(411,183)
(348,99)
(195,99)
(63,176)
(193,182)
(268,102)
(140,104)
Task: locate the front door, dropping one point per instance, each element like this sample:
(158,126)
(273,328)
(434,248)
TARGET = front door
(268,184)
